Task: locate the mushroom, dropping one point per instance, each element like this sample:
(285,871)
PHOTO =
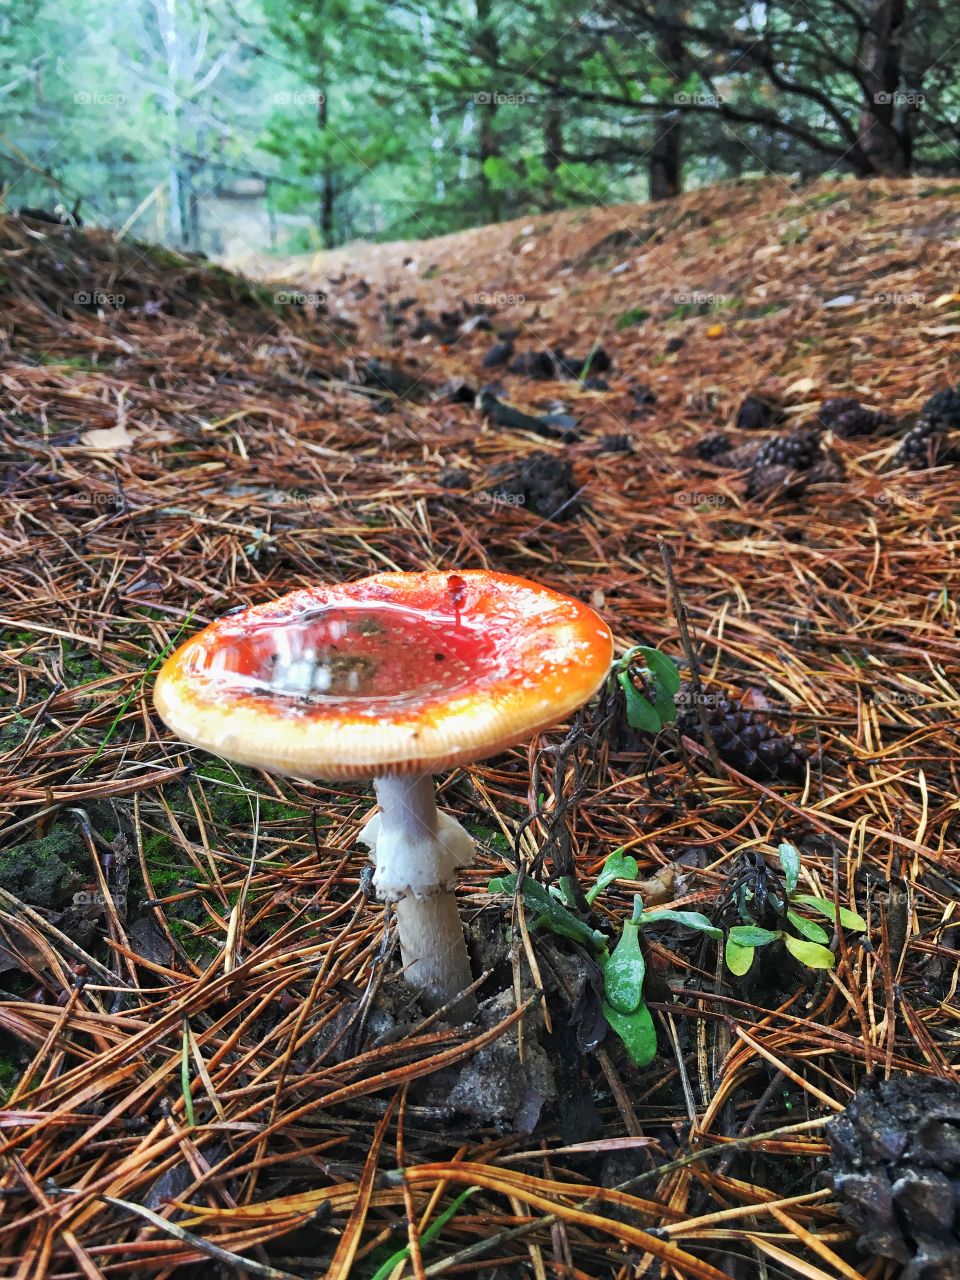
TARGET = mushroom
(396,677)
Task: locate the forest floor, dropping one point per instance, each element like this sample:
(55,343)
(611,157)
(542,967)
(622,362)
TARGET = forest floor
(207,1056)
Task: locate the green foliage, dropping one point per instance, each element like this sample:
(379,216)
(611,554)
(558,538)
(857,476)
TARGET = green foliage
(549,913)
(661,680)
(636,1030)
(624,972)
(808,942)
(636,315)
(618,866)
(624,969)
(381,120)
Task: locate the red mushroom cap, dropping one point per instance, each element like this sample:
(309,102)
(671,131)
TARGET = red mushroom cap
(396,673)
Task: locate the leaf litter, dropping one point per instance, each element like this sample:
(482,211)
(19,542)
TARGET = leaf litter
(207,1051)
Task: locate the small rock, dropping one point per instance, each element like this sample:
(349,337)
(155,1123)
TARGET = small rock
(457,391)
(498,354)
(534,364)
(757,414)
(643,394)
(615,444)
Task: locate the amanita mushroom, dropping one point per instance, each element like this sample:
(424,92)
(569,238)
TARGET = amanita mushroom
(394,677)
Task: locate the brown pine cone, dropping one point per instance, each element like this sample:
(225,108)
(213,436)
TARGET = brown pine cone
(847,417)
(895,1167)
(714,448)
(744,737)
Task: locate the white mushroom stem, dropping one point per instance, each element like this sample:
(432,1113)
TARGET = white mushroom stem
(418,852)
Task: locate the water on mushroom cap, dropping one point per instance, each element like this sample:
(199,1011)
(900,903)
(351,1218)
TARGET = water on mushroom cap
(378,655)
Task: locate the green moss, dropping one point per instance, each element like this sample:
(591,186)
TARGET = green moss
(231,796)
(186,934)
(68,362)
(9,1075)
(44,872)
(636,315)
(489,837)
(82,667)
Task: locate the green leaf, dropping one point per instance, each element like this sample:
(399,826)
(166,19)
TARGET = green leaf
(810,953)
(663,679)
(636,315)
(618,866)
(739,959)
(790,861)
(692,919)
(640,713)
(636,1030)
(807,929)
(849,919)
(661,673)
(751,935)
(663,669)
(623,973)
(185,1075)
(426,1236)
(551,913)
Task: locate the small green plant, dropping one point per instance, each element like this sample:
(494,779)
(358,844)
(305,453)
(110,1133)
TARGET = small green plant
(624,1006)
(636,315)
(806,940)
(653,708)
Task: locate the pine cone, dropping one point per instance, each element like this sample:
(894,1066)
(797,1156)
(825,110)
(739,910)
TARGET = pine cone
(757,414)
(790,463)
(745,739)
(928,444)
(847,417)
(541,483)
(797,450)
(923,446)
(713,448)
(895,1166)
(764,481)
(943,409)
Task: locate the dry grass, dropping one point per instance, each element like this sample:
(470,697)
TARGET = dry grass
(179,1095)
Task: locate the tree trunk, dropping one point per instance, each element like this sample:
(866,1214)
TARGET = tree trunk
(665,157)
(553,136)
(883,142)
(328,193)
(487,106)
(664,165)
(552,151)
